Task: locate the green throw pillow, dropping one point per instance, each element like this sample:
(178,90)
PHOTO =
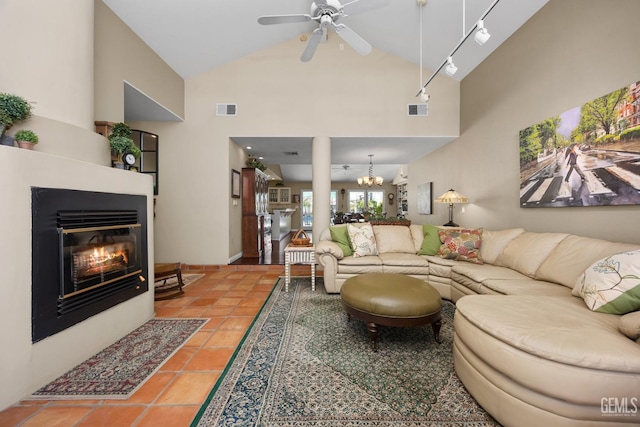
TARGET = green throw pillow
(340,235)
(431,242)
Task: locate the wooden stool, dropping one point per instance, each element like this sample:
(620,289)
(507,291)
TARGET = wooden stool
(162,273)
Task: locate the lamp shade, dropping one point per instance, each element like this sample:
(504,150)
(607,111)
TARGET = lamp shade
(452,196)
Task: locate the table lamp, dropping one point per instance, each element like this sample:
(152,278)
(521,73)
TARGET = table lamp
(451,197)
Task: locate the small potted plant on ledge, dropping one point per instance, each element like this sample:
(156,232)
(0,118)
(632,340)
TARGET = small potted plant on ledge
(252,162)
(13,109)
(26,138)
(120,142)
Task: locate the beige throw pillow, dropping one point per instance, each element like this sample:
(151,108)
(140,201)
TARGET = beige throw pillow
(363,240)
(630,325)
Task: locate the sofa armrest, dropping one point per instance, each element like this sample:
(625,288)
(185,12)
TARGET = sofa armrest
(329,247)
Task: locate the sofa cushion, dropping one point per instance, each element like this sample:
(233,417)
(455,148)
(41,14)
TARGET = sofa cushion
(363,241)
(431,242)
(393,238)
(340,235)
(526,287)
(409,264)
(629,325)
(417,234)
(360,265)
(479,273)
(574,255)
(528,250)
(401,259)
(494,242)
(612,284)
(552,328)
(461,244)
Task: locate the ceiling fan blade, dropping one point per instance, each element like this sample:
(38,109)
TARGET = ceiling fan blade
(359,44)
(283,19)
(364,6)
(312,44)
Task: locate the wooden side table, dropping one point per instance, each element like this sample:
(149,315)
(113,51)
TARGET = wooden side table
(165,271)
(299,255)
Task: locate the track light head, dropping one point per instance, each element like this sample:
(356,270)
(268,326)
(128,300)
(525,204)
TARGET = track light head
(451,68)
(424,96)
(482,35)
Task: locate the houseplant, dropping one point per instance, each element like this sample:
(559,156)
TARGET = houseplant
(252,162)
(13,109)
(26,138)
(120,142)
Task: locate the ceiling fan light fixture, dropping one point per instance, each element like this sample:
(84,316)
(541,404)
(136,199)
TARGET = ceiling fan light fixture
(482,35)
(451,68)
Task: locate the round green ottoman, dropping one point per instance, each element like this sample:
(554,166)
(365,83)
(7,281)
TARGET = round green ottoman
(391,299)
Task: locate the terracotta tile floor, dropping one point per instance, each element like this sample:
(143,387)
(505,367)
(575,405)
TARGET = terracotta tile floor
(230,298)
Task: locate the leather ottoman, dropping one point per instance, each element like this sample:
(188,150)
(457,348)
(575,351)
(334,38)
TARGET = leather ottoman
(391,299)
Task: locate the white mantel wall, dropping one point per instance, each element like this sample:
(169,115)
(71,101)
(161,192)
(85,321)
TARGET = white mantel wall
(53,67)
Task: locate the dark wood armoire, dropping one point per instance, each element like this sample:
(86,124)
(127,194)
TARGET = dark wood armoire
(255,205)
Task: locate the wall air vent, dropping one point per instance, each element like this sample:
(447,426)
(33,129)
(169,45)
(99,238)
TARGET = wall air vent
(226,109)
(290,153)
(418,109)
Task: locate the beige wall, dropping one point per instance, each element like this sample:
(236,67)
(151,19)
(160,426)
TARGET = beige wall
(47,58)
(570,52)
(120,55)
(340,94)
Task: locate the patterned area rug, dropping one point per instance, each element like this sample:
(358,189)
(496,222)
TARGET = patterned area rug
(120,369)
(302,363)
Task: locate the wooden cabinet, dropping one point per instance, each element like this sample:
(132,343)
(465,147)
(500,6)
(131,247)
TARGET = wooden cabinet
(255,205)
(279,195)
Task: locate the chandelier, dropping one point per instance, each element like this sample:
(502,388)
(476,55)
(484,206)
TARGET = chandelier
(370,180)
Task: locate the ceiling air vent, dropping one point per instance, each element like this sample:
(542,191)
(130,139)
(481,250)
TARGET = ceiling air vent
(418,109)
(226,109)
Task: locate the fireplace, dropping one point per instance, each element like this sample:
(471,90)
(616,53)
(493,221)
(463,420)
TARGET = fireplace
(89,254)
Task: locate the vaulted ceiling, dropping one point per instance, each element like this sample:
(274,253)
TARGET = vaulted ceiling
(182,32)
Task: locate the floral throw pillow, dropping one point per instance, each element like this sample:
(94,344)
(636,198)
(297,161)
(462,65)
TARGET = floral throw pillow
(363,240)
(461,244)
(612,284)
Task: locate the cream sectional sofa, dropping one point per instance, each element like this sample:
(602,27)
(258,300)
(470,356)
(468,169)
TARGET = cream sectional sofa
(529,351)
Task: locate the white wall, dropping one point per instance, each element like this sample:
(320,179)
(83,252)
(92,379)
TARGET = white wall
(28,366)
(570,52)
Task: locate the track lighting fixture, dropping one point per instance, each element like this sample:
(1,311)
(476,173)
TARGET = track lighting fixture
(482,35)
(424,96)
(451,68)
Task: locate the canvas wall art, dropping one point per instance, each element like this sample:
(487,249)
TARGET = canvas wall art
(425,198)
(586,156)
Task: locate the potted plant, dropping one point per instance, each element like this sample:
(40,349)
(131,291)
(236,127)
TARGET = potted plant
(26,138)
(120,142)
(13,109)
(252,162)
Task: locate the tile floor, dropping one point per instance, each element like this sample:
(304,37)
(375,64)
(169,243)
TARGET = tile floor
(230,297)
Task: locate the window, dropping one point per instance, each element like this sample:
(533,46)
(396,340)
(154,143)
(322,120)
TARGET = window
(148,161)
(372,199)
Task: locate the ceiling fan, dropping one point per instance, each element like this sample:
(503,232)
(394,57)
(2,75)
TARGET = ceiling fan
(325,13)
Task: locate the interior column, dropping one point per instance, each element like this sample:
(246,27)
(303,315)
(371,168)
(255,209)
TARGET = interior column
(321,184)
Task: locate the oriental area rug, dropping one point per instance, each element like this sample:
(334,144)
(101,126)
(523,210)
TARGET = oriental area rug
(304,363)
(119,370)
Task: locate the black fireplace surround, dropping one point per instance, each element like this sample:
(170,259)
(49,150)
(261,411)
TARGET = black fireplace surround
(89,253)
